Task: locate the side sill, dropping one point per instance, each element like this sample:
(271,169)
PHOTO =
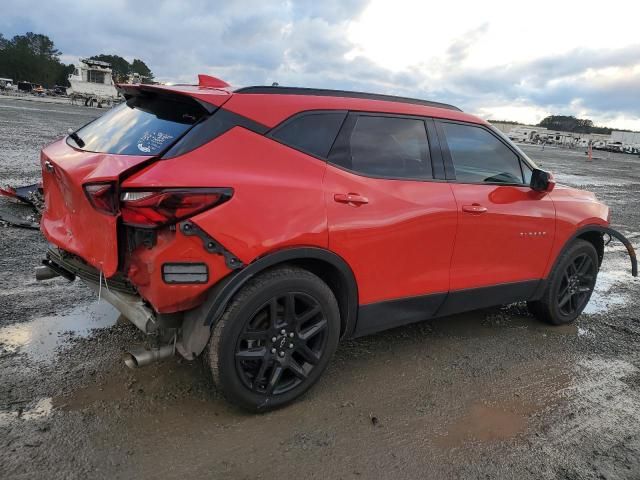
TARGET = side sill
(375,317)
(474,298)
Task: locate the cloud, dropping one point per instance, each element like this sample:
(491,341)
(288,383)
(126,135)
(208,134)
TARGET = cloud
(484,61)
(459,49)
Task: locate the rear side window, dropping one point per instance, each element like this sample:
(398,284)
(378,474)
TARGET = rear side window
(390,147)
(479,157)
(312,133)
(143,125)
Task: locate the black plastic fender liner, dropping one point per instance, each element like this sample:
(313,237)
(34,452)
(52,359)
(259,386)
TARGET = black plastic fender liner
(613,233)
(197,323)
(281,256)
(625,241)
(600,229)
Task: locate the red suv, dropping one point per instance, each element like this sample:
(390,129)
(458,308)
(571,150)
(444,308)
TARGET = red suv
(264,224)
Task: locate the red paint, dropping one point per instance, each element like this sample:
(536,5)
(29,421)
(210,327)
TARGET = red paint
(144,269)
(574,209)
(211,82)
(69,220)
(399,244)
(504,235)
(277,200)
(401,238)
(270,109)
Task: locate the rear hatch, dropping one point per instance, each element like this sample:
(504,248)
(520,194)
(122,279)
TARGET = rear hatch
(82,172)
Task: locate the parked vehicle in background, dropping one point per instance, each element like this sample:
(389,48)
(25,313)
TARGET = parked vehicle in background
(6,84)
(92,84)
(25,86)
(258,227)
(59,90)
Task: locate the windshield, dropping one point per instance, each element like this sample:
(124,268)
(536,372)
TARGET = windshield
(143,125)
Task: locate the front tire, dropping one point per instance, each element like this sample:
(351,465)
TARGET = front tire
(570,285)
(275,339)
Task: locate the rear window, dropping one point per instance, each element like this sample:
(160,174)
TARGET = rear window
(312,133)
(143,125)
(390,147)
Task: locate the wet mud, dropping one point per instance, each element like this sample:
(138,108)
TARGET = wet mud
(487,394)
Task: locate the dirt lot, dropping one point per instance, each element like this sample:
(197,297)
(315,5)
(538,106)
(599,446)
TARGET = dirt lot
(490,394)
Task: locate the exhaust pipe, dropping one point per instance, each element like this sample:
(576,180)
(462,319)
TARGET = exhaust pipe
(51,270)
(139,357)
(45,273)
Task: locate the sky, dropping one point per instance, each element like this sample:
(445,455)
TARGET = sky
(500,60)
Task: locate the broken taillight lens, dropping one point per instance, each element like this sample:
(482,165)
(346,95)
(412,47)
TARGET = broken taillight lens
(156,208)
(103,196)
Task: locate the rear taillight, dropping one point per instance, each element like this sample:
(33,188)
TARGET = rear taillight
(156,208)
(103,196)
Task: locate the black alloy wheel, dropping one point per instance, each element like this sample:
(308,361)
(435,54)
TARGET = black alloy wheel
(576,285)
(275,338)
(281,343)
(569,286)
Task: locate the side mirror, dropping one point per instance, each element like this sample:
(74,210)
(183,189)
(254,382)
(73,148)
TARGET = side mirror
(542,181)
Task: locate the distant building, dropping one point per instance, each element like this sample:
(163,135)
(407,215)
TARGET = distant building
(536,134)
(625,138)
(527,133)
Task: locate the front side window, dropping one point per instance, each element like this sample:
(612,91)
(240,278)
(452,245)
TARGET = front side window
(390,147)
(479,157)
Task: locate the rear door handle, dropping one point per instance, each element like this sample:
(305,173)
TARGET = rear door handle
(475,208)
(350,198)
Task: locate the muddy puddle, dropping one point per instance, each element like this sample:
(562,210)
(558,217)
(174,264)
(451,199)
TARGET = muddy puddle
(36,411)
(39,338)
(614,274)
(484,423)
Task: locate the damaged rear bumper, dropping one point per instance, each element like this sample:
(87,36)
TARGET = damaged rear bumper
(117,290)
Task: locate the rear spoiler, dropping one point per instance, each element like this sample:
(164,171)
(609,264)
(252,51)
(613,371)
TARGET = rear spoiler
(211,92)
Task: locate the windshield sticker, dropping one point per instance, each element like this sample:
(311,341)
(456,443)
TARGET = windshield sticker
(153,141)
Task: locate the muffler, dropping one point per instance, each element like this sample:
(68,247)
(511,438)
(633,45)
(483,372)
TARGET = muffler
(140,356)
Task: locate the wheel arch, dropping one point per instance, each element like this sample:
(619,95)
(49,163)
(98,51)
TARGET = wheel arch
(595,238)
(327,265)
(594,235)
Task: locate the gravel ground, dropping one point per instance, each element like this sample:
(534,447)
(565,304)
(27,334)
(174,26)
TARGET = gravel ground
(488,394)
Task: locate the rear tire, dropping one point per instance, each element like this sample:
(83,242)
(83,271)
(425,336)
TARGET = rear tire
(570,285)
(274,339)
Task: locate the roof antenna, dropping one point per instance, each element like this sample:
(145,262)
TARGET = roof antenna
(275,84)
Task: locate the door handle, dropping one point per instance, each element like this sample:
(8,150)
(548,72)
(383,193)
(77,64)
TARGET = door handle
(350,198)
(476,208)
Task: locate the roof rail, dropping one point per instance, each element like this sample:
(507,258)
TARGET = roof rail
(321,92)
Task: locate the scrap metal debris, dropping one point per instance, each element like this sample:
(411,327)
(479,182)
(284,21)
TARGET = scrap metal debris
(31,195)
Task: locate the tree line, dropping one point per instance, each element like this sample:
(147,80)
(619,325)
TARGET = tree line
(566,123)
(33,57)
